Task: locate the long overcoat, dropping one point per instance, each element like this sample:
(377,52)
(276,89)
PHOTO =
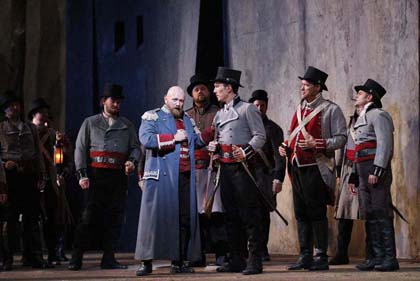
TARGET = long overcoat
(158,229)
(347,204)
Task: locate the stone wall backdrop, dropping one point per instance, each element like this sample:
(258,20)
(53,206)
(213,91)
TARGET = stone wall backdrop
(32,52)
(273,42)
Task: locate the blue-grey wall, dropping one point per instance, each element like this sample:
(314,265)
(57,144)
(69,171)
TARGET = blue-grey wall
(146,71)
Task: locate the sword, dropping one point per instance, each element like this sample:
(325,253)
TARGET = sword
(266,202)
(208,203)
(398,213)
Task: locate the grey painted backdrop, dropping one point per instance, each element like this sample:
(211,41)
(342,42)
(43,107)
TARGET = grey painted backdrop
(273,42)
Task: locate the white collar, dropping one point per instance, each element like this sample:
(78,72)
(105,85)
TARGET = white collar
(227,106)
(363,112)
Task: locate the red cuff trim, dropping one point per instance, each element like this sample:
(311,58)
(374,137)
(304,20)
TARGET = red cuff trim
(166,142)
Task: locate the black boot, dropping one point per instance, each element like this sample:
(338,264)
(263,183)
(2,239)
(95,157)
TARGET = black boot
(345,228)
(180,267)
(109,262)
(305,237)
(320,229)
(235,263)
(373,228)
(76,260)
(145,268)
(390,262)
(254,266)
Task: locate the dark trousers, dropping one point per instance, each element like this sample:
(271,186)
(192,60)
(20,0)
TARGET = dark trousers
(265,182)
(23,198)
(375,201)
(213,234)
(104,209)
(184,214)
(345,228)
(243,211)
(50,224)
(310,197)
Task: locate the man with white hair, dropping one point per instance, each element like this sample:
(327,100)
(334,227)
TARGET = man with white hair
(168,222)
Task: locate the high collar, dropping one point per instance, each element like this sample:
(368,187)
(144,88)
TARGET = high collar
(232,103)
(366,108)
(313,104)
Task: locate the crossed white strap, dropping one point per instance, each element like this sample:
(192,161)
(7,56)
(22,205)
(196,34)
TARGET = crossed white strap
(306,120)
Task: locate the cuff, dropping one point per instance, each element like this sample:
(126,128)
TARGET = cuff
(248,151)
(81,174)
(166,141)
(354,179)
(320,145)
(377,171)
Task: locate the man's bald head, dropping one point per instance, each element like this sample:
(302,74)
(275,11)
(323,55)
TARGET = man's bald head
(174,101)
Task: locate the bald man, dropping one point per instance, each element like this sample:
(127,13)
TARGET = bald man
(168,223)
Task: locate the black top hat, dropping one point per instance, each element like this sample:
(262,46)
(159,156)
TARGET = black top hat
(36,105)
(8,97)
(315,76)
(374,88)
(259,95)
(228,76)
(113,91)
(198,79)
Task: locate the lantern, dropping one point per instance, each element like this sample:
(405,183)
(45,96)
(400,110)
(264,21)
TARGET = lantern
(58,150)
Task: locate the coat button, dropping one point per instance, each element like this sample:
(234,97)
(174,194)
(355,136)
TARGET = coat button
(164,157)
(164,173)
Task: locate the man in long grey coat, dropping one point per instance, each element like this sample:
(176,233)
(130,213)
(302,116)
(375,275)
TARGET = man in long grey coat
(347,201)
(168,223)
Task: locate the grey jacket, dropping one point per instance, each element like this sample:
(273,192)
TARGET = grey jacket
(96,135)
(21,146)
(376,125)
(241,124)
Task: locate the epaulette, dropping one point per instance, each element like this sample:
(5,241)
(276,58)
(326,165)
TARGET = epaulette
(151,115)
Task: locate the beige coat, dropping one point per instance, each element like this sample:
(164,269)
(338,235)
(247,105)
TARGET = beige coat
(347,204)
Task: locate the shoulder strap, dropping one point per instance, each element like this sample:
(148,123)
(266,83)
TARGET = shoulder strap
(306,120)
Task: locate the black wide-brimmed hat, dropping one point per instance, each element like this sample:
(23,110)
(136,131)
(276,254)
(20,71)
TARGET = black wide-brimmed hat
(8,97)
(228,76)
(374,88)
(198,79)
(37,104)
(315,76)
(259,95)
(113,91)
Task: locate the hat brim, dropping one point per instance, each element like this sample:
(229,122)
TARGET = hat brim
(3,106)
(115,97)
(192,85)
(33,110)
(227,82)
(323,86)
(376,98)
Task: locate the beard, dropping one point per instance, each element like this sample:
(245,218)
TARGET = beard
(202,99)
(177,112)
(112,111)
